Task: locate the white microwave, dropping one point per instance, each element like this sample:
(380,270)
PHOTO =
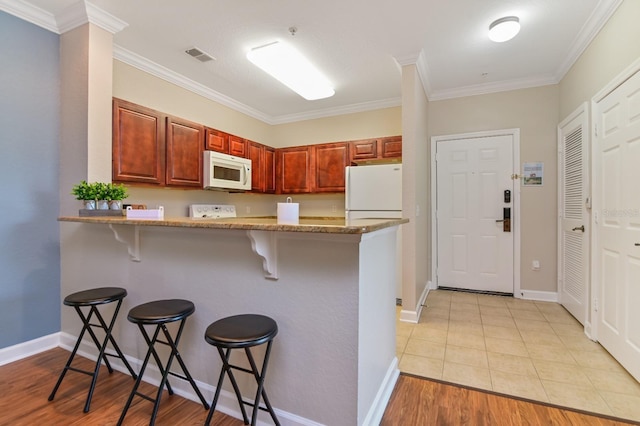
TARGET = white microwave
(226,172)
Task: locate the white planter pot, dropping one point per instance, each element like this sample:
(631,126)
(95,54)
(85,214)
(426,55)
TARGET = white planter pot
(103,205)
(115,204)
(89,204)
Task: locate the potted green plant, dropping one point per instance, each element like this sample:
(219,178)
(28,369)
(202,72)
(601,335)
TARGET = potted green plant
(86,192)
(102,192)
(115,193)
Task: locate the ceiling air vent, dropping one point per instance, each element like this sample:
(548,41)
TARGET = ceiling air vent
(199,54)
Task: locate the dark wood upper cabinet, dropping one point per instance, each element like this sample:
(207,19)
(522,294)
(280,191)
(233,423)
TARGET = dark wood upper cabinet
(295,170)
(366,149)
(263,162)
(269,162)
(184,152)
(391,147)
(237,146)
(215,140)
(375,149)
(138,149)
(330,162)
(255,152)
(150,147)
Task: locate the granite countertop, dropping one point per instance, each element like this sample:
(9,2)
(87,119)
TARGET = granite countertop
(330,225)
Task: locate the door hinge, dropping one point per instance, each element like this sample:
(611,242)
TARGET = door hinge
(595,304)
(515,176)
(595,128)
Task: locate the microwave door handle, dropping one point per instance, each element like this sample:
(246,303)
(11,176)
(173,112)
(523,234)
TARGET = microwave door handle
(246,169)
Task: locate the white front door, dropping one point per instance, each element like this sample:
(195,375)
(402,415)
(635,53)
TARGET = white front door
(573,221)
(616,213)
(475,193)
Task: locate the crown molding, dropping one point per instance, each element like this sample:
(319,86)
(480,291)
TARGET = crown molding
(420,61)
(330,112)
(601,14)
(143,64)
(84,12)
(30,13)
(72,17)
(485,89)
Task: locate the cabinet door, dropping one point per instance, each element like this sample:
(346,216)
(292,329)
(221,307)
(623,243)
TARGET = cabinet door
(237,146)
(331,160)
(138,144)
(269,164)
(184,152)
(391,147)
(215,140)
(255,152)
(363,150)
(294,170)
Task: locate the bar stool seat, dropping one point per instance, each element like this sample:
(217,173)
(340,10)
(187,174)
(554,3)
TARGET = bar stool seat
(243,332)
(160,313)
(93,298)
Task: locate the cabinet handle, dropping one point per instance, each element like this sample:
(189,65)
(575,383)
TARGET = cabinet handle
(579,228)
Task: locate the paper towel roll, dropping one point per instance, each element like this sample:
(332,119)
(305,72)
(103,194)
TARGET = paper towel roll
(288,213)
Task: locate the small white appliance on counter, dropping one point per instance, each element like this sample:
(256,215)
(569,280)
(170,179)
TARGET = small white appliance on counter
(375,191)
(226,172)
(211,211)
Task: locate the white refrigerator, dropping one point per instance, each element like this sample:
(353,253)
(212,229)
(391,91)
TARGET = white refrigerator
(376,192)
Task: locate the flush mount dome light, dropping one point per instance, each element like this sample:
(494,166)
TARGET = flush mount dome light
(504,29)
(288,66)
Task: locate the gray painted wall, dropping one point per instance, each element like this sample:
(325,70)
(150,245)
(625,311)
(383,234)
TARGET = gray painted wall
(29,136)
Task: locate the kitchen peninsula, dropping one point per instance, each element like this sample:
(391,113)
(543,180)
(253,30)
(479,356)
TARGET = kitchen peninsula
(329,284)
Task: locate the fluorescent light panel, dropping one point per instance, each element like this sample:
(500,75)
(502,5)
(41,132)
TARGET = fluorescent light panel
(289,67)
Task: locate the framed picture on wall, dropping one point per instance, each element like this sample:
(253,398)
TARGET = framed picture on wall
(532,173)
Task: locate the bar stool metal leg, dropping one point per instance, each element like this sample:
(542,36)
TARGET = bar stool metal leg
(102,346)
(243,332)
(260,380)
(165,369)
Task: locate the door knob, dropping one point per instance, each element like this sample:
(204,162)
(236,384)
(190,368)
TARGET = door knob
(579,228)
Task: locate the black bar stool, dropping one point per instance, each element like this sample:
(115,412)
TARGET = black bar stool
(243,332)
(93,298)
(160,313)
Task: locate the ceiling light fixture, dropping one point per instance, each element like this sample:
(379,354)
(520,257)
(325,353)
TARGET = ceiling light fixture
(288,66)
(504,29)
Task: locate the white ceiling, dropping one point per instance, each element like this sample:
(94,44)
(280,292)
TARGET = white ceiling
(358,44)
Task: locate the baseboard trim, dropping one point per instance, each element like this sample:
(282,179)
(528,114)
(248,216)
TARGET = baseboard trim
(542,296)
(414,316)
(374,416)
(26,349)
(227,402)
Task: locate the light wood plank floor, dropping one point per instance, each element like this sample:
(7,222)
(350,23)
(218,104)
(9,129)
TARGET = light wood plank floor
(26,384)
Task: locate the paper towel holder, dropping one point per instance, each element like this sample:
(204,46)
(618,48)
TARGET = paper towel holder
(288,212)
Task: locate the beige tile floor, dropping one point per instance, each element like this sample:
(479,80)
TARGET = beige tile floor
(534,350)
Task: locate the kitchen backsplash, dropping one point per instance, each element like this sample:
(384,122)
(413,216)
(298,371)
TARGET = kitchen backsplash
(176,202)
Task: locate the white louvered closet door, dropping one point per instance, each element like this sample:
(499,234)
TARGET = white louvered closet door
(573,236)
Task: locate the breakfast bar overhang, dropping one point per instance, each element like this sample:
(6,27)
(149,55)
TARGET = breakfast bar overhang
(330,286)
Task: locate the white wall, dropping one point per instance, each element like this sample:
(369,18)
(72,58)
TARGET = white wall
(416,262)
(535,112)
(614,48)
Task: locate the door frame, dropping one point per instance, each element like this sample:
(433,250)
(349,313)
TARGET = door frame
(515,134)
(618,80)
(584,115)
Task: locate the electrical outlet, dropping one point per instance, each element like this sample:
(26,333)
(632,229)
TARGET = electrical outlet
(248,209)
(535,265)
(334,208)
